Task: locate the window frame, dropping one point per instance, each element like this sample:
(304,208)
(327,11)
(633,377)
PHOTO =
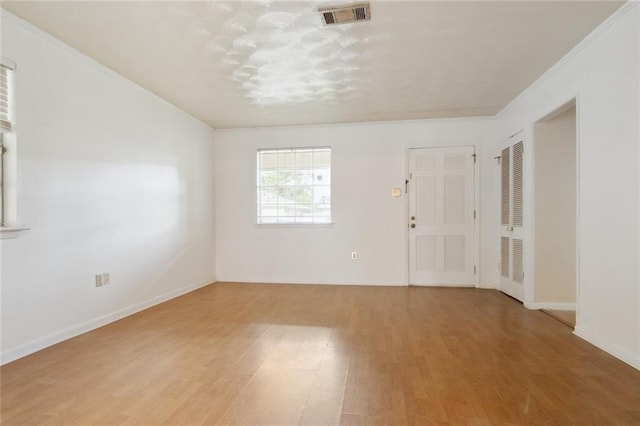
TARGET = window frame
(7,130)
(9,227)
(319,192)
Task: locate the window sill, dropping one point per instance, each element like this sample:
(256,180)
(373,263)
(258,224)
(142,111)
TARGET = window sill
(295,225)
(12,232)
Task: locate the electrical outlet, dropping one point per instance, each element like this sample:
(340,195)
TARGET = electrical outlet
(354,255)
(99,280)
(106,278)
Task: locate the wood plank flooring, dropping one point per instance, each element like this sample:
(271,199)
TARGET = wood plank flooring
(568,318)
(234,354)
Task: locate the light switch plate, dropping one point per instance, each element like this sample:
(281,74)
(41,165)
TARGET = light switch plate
(396,192)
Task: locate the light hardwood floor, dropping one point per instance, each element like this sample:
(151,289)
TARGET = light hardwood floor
(284,354)
(568,318)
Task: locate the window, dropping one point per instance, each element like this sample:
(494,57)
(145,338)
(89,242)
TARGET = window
(294,185)
(6,81)
(6,129)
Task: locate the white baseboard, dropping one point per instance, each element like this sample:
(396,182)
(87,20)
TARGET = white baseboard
(337,282)
(622,354)
(551,306)
(489,286)
(73,331)
(444,285)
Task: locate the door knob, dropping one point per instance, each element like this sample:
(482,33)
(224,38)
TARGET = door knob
(413,225)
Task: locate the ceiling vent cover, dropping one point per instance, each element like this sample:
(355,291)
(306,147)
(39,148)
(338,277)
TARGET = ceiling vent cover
(345,14)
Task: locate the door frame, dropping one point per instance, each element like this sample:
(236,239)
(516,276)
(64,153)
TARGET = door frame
(530,303)
(476,203)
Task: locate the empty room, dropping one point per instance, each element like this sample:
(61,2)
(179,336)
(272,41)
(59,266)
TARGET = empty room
(320,212)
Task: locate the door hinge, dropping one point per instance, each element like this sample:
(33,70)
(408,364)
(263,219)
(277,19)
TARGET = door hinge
(474,269)
(474,214)
(474,157)
(497,158)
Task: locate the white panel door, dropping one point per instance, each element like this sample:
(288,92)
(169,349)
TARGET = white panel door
(441,216)
(511,219)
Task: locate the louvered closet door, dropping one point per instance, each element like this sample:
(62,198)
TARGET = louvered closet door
(511,220)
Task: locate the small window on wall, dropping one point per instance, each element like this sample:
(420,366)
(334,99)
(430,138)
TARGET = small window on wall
(294,185)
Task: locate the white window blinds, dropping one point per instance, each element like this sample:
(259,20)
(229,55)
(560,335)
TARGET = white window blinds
(294,185)
(6,108)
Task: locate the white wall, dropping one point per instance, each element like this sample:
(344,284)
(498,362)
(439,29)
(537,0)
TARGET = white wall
(368,160)
(111,178)
(555,210)
(604,74)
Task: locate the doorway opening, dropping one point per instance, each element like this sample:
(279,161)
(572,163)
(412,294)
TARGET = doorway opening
(555,214)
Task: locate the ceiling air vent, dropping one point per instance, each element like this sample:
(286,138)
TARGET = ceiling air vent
(346,14)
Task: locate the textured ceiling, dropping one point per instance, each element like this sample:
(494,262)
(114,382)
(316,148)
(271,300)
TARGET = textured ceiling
(257,63)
